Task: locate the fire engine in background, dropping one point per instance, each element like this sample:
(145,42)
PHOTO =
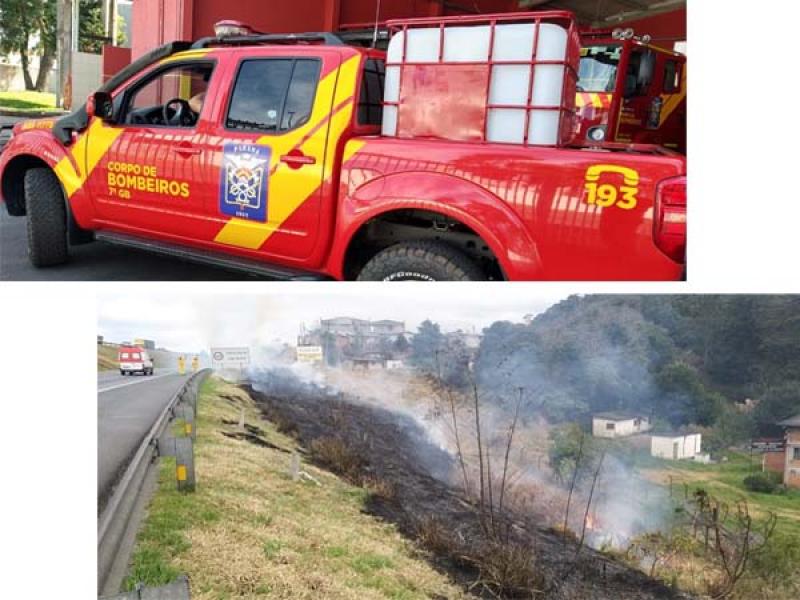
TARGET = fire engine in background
(631,91)
(133,359)
(450,156)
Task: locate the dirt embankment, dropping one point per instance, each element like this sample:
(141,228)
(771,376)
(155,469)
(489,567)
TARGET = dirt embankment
(392,453)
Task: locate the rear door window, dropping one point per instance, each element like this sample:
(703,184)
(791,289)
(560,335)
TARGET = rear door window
(370,100)
(273,95)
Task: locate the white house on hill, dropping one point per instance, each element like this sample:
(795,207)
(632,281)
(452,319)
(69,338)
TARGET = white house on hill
(613,425)
(675,446)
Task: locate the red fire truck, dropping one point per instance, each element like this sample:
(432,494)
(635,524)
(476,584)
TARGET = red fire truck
(630,90)
(298,156)
(133,359)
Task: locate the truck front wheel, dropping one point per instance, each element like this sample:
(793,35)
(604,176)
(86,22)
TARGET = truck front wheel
(47,218)
(420,261)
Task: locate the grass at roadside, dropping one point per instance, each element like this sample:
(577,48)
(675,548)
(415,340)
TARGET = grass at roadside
(106,358)
(27,101)
(250,531)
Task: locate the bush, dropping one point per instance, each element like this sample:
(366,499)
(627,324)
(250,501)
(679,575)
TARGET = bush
(761,482)
(336,454)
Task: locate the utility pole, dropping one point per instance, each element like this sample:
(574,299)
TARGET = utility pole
(110,20)
(65,20)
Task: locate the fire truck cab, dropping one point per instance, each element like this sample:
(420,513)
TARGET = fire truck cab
(630,91)
(133,359)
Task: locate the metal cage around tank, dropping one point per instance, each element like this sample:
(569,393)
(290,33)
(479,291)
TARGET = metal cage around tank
(484,71)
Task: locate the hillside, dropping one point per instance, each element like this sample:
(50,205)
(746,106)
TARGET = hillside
(681,359)
(106,358)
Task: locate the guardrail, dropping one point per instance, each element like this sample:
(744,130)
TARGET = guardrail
(177,590)
(116,523)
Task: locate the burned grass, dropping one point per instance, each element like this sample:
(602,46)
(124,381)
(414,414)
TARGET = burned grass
(250,531)
(364,442)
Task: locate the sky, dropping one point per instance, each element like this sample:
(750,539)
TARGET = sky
(190,321)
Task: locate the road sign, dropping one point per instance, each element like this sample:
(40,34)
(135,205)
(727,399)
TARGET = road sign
(309,354)
(223,359)
(776,445)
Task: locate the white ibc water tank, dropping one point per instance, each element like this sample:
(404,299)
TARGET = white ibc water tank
(510,84)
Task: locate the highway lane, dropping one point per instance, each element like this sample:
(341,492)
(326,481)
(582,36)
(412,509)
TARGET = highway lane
(127,407)
(113,378)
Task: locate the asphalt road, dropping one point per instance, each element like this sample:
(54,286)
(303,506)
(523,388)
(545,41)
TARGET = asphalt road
(97,261)
(127,407)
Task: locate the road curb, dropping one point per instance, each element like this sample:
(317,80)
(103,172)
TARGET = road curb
(40,114)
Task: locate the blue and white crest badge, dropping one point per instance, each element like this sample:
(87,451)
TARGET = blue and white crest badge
(244,181)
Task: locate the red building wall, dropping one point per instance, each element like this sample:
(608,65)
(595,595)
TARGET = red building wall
(156,22)
(773,461)
(114,59)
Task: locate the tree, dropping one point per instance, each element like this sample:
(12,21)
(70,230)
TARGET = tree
(92,29)
(29,27)
(573,453)
(424,346)
(401,345)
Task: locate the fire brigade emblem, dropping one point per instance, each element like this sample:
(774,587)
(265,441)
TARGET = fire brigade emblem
(243,184)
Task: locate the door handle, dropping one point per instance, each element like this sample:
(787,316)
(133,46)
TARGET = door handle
(186,150)
(296,159)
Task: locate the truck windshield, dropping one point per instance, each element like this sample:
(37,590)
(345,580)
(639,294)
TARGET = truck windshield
(598,70)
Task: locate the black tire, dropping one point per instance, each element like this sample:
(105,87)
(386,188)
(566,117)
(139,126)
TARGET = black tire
(121,372)
(47,218)
(420,261)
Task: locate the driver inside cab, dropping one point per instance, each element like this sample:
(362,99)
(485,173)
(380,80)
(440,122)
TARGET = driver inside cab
(173,98)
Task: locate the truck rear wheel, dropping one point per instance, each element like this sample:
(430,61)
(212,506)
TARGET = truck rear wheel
(47,218)
(420,261)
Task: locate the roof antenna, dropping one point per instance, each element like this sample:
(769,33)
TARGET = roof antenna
(375,30)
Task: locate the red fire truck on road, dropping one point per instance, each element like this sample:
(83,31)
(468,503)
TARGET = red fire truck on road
(631,91)
(298,156)
(133,359)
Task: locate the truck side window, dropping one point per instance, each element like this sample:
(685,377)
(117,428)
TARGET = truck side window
(370,100)
(273,95)
(672,77)
(641,66)
(180,89)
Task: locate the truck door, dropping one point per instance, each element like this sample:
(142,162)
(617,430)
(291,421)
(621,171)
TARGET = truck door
(156,176)
(273,134)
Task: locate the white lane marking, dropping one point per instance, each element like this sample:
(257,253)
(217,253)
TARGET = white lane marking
(142,380)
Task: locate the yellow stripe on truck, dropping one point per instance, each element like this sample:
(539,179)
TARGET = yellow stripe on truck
(82,153)
(288,188)
(185,55)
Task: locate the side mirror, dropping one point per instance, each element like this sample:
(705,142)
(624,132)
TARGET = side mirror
(101,105)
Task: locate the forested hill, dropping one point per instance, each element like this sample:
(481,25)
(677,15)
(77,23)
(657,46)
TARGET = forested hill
(682,359)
